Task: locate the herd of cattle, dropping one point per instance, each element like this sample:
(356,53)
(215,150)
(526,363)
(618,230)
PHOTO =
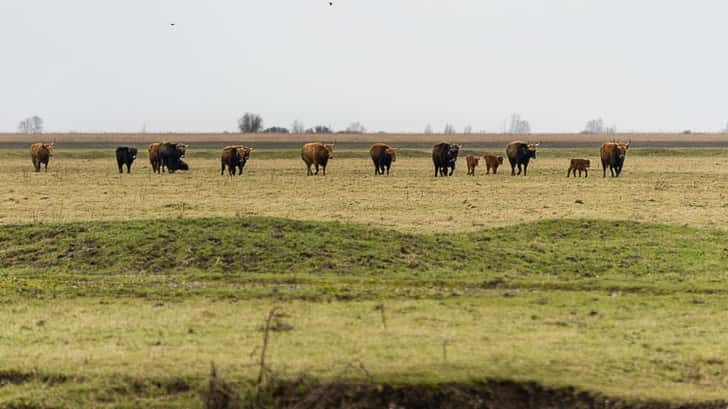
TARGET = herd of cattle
(168,156)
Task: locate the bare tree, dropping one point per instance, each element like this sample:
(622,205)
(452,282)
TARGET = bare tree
(250,123)
(519,126)
(596,126)
(356,127)
(275,129)
(468,129)
(428,129)
(31,125)
(319,129)
(297,127)
(449,129)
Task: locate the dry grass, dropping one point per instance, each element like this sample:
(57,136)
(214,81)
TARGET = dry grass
(395,138)
(634,346)
(679,190)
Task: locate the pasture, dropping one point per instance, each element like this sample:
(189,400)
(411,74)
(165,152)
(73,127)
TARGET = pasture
(120,290)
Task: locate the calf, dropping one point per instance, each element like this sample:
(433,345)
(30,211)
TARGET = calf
(492,162)
(580,165)
(472,162)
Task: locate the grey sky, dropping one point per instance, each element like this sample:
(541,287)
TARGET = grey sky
(396,65)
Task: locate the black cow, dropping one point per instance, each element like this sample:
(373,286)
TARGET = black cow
(444,156)
(519,154)
(170,155)
(125,155)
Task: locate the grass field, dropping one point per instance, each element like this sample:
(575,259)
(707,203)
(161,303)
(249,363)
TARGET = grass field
(119,291)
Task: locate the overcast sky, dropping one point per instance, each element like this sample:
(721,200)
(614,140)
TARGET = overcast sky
(395,65)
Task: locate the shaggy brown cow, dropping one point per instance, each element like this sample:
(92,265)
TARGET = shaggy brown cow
(580,165)
(382,156)
(40,153)
(613,154)
(472,162)
(235,156)
(317,154)
(492,162)
(154,157)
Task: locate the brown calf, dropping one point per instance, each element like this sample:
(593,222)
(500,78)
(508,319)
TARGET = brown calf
(580,165)
(472,164)
(492,162)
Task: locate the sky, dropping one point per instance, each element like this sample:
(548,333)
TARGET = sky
(393,65)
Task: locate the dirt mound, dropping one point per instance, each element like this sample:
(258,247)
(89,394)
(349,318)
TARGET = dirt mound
(487,395)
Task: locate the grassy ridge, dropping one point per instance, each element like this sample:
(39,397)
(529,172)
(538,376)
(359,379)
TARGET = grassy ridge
(229,253)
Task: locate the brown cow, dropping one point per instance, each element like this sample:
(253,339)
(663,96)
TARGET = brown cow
(317,154)
(612,155)
(234,156)
(580,165)
(472,162)
(492,162)
(154,157)
(382,156)
(40,153)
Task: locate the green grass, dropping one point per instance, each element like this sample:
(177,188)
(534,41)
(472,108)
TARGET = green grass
(130,314)
(320,259)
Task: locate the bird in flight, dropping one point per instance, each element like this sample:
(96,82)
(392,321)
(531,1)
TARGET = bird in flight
(172,24)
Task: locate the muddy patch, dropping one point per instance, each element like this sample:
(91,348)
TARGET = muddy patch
(486,395)
(12,377)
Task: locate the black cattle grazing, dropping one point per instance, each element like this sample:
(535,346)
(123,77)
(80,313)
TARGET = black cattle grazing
(125,155)
(170,155)
(519,154)
(444,156)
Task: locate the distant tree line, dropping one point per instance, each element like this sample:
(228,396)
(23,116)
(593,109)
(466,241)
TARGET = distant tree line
(31,125)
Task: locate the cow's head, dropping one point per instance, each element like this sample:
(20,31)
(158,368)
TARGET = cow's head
(133,152)
(50,147)
(392,152)
(587,163)
(244,152)
(182,165)
(182,149)
(330,149)
(452,154)
(622,150)
(531,150)
(500,160)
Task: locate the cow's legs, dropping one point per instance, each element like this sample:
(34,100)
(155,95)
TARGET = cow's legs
(46,166)
(323,167)
(586,173)
(525,169)
(388,166)
(317,169)
(568,172)
(452,169)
